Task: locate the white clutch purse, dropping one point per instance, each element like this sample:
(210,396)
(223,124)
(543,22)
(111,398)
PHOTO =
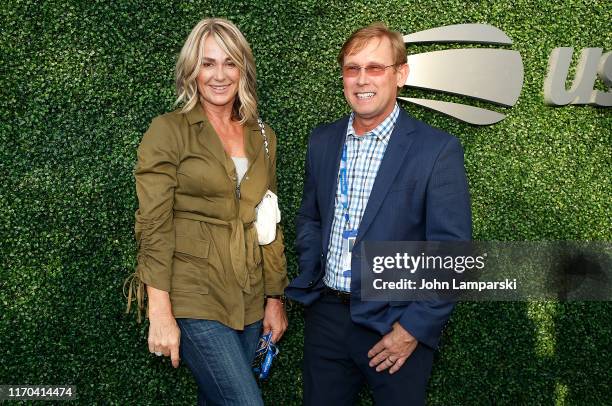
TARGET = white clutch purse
(268,215)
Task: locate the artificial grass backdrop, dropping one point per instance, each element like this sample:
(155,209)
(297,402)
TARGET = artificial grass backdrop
(80,83)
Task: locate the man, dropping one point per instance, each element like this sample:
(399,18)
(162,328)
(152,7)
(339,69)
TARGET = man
(377,175)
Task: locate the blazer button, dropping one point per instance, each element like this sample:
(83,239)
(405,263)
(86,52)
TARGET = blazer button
(310,283)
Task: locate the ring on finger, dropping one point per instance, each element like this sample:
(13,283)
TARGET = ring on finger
(158,353)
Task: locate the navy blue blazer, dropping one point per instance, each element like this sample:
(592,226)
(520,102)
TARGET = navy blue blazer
(420,194)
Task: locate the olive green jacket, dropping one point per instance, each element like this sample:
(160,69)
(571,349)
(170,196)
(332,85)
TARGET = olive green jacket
(195,227)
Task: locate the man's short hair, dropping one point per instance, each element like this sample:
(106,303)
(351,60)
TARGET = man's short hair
(360,38)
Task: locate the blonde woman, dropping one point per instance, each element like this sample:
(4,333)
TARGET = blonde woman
(212,289)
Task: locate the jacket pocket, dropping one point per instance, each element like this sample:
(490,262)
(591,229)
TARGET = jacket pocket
(190,265)
(399,303)
(192,246)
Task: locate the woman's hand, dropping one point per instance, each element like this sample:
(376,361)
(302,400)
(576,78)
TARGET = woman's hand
(275,319)
(164,333)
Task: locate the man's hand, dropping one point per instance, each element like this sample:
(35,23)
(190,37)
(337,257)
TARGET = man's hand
(392,350)
(165,337)
(275,319)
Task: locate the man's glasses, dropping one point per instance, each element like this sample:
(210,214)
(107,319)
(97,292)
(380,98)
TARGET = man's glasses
(352,71)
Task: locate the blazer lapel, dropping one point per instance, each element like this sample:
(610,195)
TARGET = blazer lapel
(331,166)
(207,136)
(399,144)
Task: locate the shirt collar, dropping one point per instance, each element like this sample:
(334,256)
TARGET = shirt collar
(382,132)
(196,115)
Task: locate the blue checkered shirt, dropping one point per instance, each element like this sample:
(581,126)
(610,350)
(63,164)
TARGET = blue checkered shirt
(364,155)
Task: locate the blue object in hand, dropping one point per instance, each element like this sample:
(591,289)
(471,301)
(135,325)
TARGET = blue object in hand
(266,351)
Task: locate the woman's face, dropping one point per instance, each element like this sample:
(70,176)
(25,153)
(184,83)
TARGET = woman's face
(219,76)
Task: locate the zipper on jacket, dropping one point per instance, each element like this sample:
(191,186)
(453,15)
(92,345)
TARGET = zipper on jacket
(244,177)
(241,180)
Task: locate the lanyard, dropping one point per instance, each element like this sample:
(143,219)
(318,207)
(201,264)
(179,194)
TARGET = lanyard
(344,183)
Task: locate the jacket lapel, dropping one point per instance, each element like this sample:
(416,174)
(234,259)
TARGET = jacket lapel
(253,140)
(331,167)
(207,136)
(399,144)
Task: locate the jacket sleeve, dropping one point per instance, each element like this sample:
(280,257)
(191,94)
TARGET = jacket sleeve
(274,261)
(308,223)
(448,217)
(155,183)
(304,288)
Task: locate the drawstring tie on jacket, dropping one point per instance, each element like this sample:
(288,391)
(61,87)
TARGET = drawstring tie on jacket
(135,291)
(237,244)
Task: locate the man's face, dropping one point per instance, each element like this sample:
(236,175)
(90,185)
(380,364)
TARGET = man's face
(372,95)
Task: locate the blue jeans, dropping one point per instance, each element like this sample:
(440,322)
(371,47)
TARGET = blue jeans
(220,359)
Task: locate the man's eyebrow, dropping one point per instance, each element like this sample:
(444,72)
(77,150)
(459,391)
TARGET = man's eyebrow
(367,64)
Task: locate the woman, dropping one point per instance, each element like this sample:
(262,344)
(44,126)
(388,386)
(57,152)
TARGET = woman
(201,172)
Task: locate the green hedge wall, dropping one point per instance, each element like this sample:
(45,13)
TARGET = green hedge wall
(80,82)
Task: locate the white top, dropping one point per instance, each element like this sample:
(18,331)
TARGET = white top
(241,164)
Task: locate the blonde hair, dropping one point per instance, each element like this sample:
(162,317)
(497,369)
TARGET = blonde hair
(232,42)
(360,38)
